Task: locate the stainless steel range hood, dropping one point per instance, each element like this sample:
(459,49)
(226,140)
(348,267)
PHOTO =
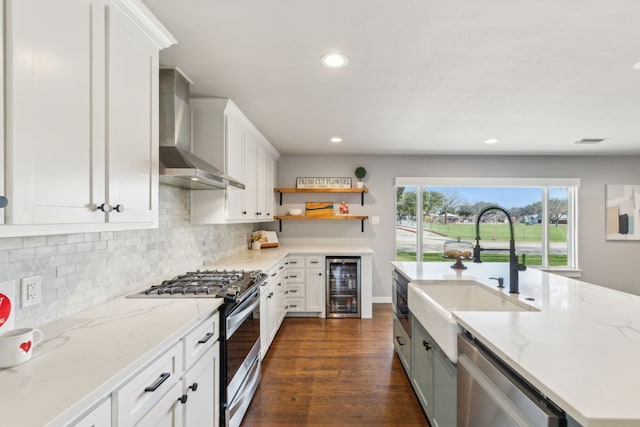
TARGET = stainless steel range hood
(179,167)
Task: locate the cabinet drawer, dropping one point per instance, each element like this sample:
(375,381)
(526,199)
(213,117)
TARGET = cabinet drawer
(295,261)
(148,386)
(294,290)
(294,275)
(315,262)
(294,304)
(201,339)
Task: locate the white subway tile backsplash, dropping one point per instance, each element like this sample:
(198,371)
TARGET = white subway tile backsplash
(81,270)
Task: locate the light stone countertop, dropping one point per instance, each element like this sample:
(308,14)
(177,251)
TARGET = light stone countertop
(85,356)
(581,349)
(266,258)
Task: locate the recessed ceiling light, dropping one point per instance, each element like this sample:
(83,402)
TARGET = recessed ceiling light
(492,141)
(589,141)
(334,60)
(636,66)
(336,140)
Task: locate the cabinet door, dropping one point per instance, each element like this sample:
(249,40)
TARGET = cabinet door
(98,417)
(201,385)
(250,175)
(132,116)
(422,367)
(261,206)
(234,142)
(315,289)
(269,180)
(444,391)
(168,412)
(265,342)
(55,94)
(3,199)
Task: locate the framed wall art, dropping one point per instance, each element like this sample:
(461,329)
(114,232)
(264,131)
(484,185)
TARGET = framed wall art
(622,212)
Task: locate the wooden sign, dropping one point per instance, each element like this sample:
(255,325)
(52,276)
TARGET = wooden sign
(323,182)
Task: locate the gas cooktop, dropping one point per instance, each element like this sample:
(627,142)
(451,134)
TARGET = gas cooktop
(228,284)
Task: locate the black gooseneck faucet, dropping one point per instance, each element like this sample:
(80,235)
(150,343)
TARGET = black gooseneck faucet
(514,266)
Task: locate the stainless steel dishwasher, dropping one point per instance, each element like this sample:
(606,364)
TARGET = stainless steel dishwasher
(490,394)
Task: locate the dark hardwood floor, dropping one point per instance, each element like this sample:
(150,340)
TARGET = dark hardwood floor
(332,372)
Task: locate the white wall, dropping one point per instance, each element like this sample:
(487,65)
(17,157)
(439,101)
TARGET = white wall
(608,263)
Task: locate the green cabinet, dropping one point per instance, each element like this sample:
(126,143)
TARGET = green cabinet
(433,378)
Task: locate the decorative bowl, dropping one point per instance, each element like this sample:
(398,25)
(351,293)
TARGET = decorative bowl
(295,212)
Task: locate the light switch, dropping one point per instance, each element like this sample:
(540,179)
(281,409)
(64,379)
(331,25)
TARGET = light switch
(375,220)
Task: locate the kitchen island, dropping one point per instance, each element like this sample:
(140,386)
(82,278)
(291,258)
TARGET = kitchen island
(579,349)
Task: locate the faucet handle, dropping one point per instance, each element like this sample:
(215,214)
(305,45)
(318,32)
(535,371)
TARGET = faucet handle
(500,281)
(523,266)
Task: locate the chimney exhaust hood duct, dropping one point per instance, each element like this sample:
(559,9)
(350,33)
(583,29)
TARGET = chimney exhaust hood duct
(179,167)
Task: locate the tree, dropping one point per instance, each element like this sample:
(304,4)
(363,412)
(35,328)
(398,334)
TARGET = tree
(450,204)
(407,204)
(557,208)
(431,201)
(399,191)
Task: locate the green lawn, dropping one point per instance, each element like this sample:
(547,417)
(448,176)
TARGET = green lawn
(554,260)
(494,231)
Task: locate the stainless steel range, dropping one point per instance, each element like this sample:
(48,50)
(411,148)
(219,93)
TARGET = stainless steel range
(239,330)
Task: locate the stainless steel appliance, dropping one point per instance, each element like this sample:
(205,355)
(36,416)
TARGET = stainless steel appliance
(490,394)
(399,291)
(179,167)
(343,287)
(239,330)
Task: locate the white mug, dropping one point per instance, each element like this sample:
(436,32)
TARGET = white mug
(16,346)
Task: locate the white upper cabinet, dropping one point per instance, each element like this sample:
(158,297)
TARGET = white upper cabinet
(81,100)
(132,135)
(55,98)
(224,137)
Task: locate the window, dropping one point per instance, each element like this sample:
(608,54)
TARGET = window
(433,211)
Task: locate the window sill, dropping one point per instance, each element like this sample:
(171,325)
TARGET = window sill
(566,272)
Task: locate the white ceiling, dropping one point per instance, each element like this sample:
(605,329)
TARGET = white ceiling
(424,76)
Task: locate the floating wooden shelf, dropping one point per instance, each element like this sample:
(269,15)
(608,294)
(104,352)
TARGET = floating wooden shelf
(361,218)
(323,190)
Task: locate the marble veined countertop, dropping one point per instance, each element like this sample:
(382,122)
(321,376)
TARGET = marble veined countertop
(582,349)
(85,356)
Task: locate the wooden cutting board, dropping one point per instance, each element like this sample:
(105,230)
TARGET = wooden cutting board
(319,209)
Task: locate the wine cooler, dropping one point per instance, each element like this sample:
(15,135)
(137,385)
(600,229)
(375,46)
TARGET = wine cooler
(343,286)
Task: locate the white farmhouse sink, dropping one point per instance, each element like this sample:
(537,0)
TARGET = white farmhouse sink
(433,303)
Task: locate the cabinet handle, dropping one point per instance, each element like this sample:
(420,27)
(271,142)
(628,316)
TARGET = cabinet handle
(163,377)
(270,295)
(105,207)
(293,291)
(293,262)
(281,267)
(194,387)
(243,212)
(313,262)
(319,274)
(273,274)
(119,208)
(426,345)
(399,341)
(183,399)
(294,305)
(206,338)
(286,292)
(258,213)
(3,202)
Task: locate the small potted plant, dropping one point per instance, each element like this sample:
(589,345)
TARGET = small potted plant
(256,244)
(360,173)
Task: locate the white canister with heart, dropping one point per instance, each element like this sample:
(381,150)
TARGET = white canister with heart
(16,346)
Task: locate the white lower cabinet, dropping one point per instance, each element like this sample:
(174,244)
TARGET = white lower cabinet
(179,388)
(200,388)
(305,285)
(146,388)
(100,416)
(271,307)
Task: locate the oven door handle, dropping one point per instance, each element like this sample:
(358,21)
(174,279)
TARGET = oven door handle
(241,313)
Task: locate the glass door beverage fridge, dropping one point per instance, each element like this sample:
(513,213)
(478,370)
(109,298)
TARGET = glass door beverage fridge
(343,286)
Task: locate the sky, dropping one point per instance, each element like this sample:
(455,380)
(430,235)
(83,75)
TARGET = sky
(506,197)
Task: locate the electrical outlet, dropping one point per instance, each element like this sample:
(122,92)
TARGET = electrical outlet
(31,291)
